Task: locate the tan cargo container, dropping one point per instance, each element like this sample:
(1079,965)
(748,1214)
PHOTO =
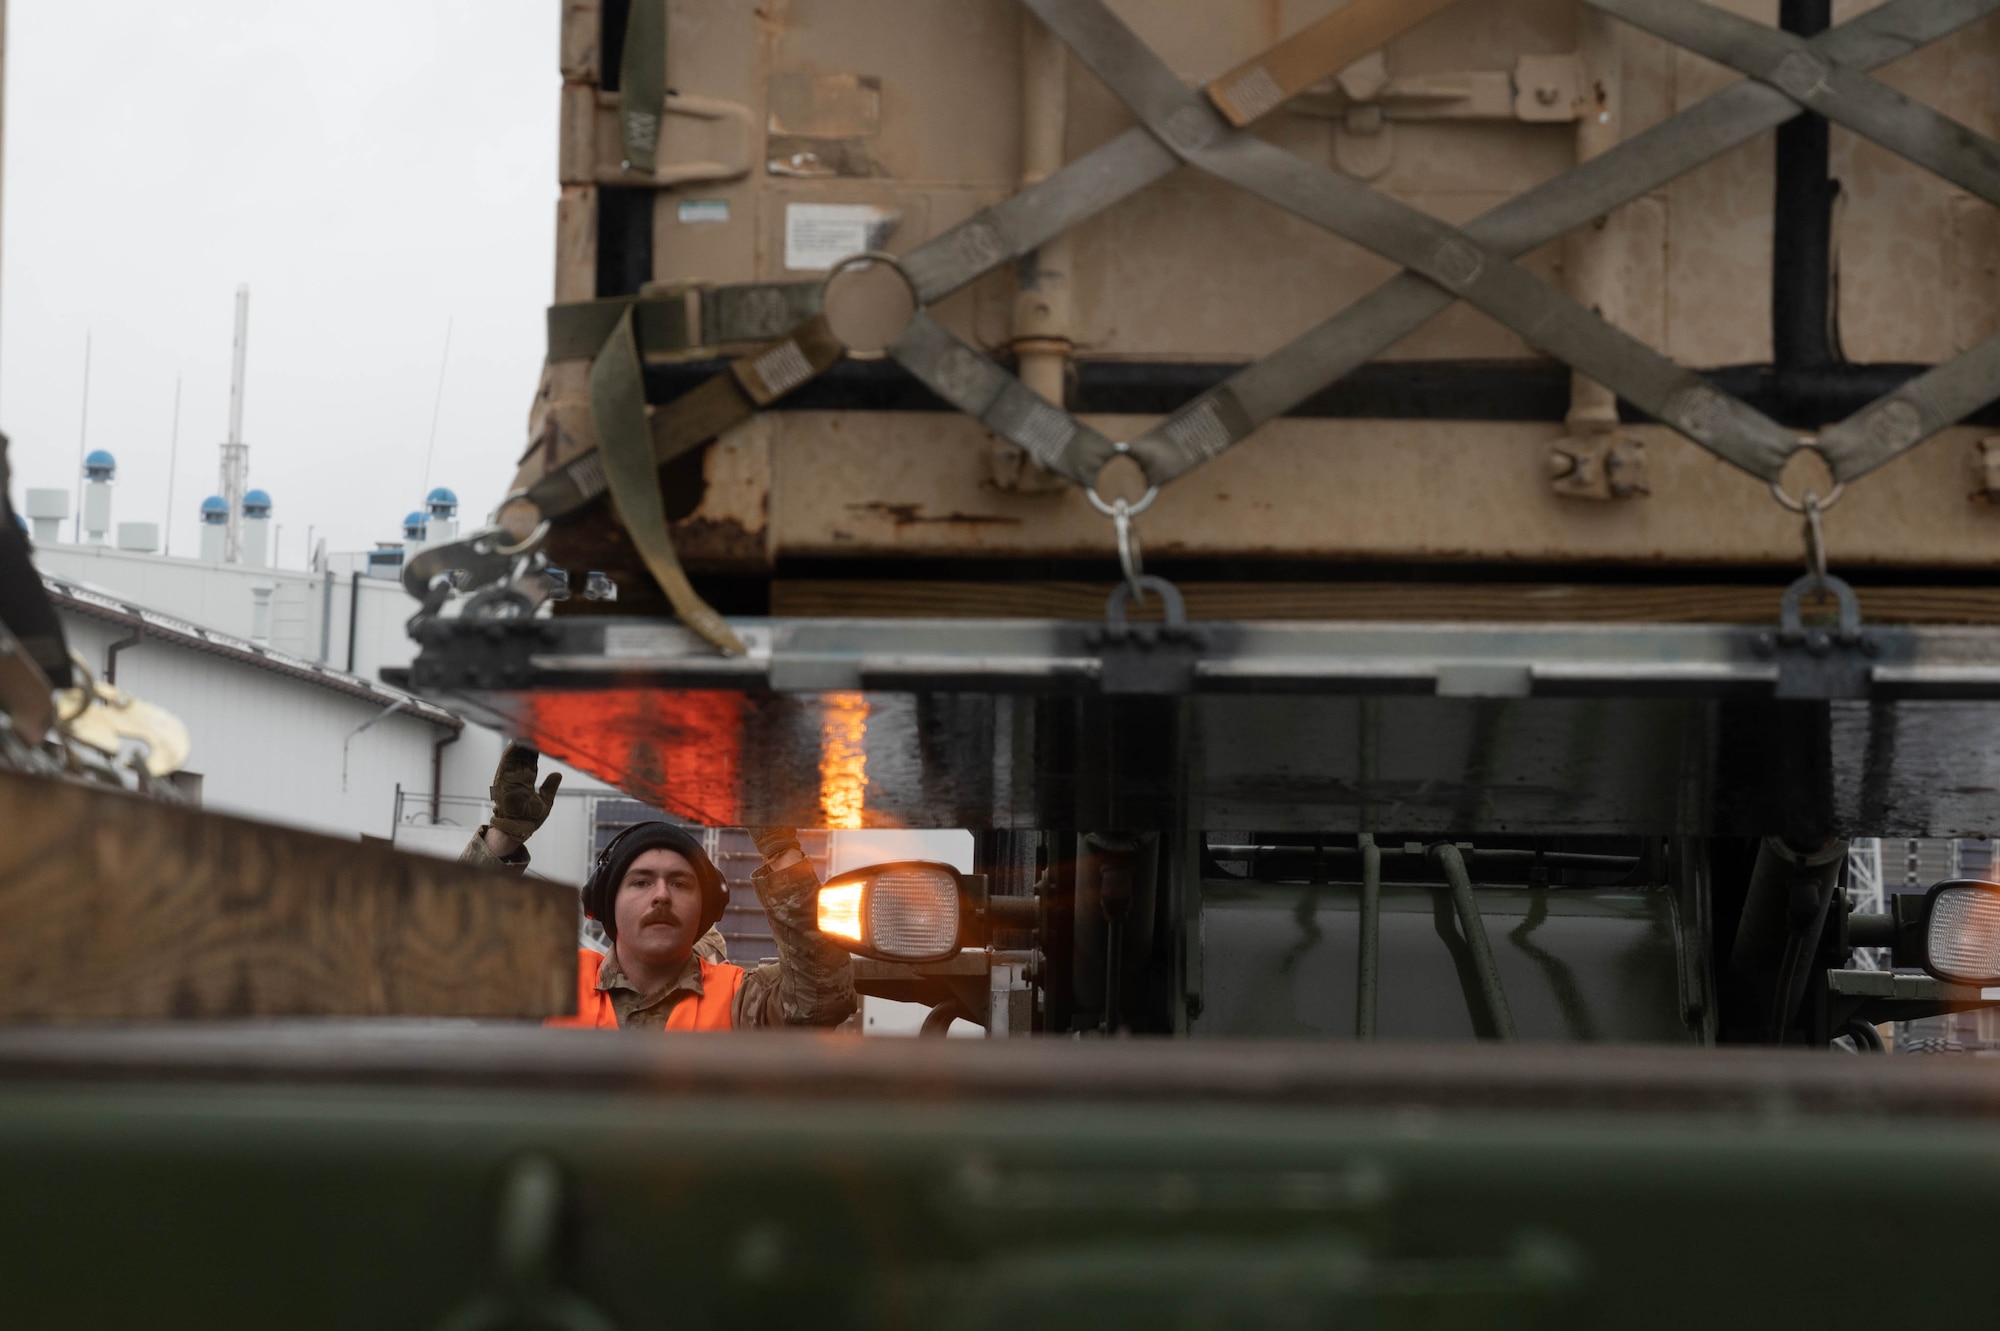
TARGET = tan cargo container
(801,130)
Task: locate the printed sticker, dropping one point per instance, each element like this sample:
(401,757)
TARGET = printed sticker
(820,235)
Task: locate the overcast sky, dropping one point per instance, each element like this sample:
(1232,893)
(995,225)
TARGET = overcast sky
(373,169)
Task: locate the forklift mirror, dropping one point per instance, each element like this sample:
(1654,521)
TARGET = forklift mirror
(909,911)
(1962,936)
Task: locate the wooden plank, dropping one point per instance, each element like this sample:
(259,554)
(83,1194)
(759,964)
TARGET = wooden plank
(1461,602)
(114,907)
(576,243)
(582,27)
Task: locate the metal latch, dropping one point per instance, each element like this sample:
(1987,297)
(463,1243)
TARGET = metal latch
(1817,662)
(1147,658)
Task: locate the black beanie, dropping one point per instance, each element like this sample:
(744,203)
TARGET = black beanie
(601,892)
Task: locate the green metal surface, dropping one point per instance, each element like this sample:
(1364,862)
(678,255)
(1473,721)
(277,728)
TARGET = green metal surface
(857,1189)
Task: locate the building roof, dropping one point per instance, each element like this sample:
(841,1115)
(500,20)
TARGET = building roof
(100,458)
(152,624)
(441,495)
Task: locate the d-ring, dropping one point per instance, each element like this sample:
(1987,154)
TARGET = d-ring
(1799,505)
(862,259)
(1116,506)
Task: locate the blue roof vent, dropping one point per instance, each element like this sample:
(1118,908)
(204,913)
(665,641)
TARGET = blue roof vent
(442,503)
(215,511)
(414,526)
(256,504)
(100,466)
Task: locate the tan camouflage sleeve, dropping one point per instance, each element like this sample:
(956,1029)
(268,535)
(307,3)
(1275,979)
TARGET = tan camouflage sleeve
(812,982)
(479,857)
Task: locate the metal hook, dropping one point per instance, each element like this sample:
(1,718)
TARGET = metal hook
(1121,511)
(1815,534)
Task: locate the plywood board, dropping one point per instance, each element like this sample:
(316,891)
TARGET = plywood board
(118,908)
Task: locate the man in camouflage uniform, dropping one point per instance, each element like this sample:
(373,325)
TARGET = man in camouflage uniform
(657,897)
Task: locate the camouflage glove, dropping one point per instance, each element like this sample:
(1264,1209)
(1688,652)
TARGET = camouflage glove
(518,808)
(773,842)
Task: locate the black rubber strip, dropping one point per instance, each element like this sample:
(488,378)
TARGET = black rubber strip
(1805,399)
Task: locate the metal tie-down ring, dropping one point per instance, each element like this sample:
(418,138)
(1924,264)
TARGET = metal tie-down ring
(863,259)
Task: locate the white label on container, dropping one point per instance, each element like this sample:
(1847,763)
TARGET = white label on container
(820,235)
(694,211)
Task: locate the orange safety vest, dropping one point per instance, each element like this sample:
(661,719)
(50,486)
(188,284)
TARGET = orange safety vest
(713,1009)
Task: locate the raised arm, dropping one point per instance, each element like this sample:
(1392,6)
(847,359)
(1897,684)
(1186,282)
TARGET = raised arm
(812,982)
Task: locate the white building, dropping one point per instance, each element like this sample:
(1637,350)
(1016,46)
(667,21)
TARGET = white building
(276,673)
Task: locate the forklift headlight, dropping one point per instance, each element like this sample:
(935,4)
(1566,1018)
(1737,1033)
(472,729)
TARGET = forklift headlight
(1962,938)
(909,911)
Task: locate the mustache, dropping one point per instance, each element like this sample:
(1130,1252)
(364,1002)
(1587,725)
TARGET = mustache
(660,915)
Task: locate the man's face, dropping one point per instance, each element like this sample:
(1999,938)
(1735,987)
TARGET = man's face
(658,909)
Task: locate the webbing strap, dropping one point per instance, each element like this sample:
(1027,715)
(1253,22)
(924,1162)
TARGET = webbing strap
(692,419)
(970,381)
(642,83)
(1020,223)
(745,312)
(1278,383)
(624,445)
(1897,422)
(1843,95)
(1258,86)
(1454,261)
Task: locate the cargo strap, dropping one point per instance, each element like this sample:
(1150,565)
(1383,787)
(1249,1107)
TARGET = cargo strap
(1447,265)
(1640,164)
(684,318)
(699,415)
(631,450)
(1845,95)
(1017,225)
(624,445)
(1056,440)
(642,83)
(1454,261)
(1257,86)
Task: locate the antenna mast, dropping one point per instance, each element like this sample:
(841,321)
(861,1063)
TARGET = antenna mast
(236,453)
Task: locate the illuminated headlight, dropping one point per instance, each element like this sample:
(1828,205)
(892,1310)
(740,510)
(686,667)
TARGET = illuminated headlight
(908,911)
(1962,942)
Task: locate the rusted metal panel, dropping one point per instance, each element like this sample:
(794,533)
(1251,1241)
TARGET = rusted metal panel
(878,484)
